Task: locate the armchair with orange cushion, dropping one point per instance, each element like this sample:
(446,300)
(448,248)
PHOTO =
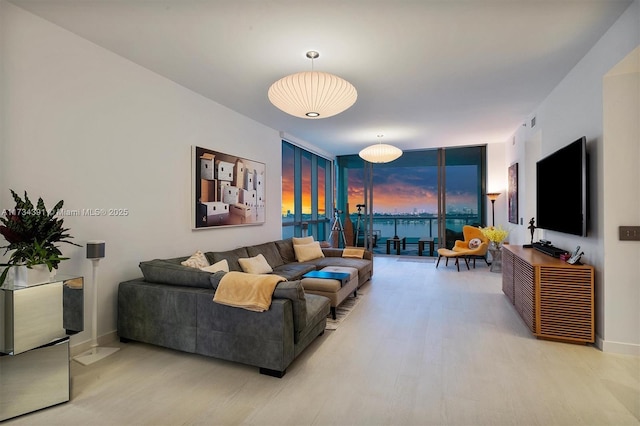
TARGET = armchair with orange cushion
(475,245)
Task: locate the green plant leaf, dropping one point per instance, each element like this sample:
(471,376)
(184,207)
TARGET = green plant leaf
(33,232)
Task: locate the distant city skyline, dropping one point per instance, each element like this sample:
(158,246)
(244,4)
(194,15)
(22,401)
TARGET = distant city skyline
(397,190)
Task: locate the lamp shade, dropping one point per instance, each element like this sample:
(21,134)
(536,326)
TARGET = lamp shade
(493,196)
(95,249)
(312,94)
(380,153)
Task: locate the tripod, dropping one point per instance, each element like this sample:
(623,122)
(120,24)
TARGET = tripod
(337,229)
(358,223)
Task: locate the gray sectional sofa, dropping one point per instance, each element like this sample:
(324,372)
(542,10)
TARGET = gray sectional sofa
(172,306)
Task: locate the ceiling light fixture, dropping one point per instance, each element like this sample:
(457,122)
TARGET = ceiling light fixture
(380,152)
(312,94)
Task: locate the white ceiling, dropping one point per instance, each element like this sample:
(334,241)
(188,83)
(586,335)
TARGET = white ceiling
(428,73)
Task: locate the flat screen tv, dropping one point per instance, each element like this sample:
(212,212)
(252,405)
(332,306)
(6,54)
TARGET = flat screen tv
(562,190)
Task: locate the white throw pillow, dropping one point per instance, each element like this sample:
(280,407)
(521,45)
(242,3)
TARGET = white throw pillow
(222,265)
(197,260)
(255,265)
(474,243)
(303,240)
(305,252)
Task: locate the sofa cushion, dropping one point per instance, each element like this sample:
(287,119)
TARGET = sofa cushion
(294,271)
(364,266)
(170,271)
(343,261)
(306,252)
(291,290)
(255,265)
(285,248)
(269,251)
(232,257)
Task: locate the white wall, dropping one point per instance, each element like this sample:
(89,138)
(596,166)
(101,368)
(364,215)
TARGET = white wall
(98,131)
(2,95)
(574,109)
(497,182)
(514,152)
(621,199)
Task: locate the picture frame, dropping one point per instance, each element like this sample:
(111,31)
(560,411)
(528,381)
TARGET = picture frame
(228,190)
(512,193)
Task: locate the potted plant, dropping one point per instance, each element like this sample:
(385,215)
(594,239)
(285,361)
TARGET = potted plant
(32,233)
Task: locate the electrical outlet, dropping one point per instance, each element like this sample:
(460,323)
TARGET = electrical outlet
(629,233)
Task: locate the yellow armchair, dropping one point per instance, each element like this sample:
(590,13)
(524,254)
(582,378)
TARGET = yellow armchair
(466,249)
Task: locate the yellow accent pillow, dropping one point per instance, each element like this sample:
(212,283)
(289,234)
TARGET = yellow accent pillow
(305,252)
(222,265)
(197,260)
(353,252)
(255,265)
(303,240)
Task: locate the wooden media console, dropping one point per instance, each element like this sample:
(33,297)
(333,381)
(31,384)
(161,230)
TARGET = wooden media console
(555,299)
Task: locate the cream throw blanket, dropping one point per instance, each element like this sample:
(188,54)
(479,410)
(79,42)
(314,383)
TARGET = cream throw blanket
(248,291)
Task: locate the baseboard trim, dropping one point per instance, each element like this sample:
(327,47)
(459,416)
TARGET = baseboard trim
(618,347)
(106,339)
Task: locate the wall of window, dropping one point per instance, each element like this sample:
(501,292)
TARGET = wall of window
(416,193)
(306,193)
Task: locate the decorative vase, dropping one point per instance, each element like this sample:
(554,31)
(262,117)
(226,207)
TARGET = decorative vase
(37,274)
(496,256)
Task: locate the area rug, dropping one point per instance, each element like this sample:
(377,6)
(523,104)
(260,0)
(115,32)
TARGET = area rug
(343,311)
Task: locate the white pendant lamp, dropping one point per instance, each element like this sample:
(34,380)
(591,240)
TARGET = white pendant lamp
(312,94)
(380,152)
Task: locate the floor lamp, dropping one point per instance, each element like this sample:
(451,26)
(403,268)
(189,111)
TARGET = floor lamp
(95,252)
(493,196)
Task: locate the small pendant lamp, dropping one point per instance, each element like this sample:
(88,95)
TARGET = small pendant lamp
(380,152)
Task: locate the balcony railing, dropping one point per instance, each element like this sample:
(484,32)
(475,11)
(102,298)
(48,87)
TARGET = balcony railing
(415,227)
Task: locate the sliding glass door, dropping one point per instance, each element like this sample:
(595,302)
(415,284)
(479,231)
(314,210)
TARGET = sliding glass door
(462,187)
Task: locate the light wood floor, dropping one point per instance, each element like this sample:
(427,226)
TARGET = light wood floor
(425,346)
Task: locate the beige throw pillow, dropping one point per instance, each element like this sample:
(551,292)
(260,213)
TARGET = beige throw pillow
(255,265)
(303,240)
(222,265)
(306,252)
(197,260)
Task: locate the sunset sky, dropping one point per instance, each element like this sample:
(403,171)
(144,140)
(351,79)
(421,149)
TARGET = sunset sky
(398,189)
(405,189)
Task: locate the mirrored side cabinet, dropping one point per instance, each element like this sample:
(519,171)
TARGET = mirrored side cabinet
(35,323)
